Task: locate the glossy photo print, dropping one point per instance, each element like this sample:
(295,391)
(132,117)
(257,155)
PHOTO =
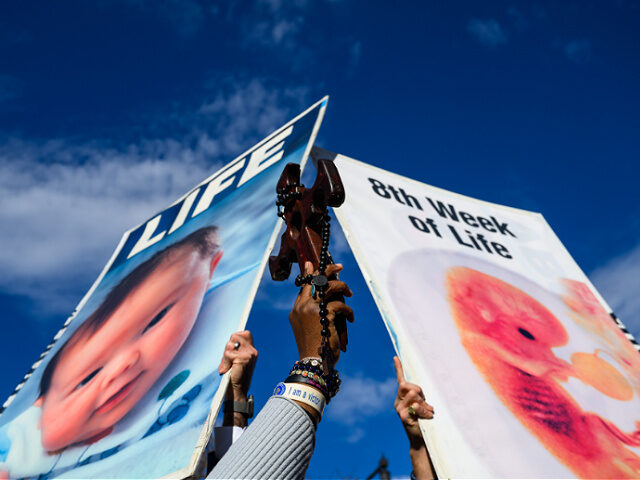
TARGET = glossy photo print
(127,386)
(507,337)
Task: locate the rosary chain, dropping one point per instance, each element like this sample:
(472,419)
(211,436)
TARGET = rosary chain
(332,377)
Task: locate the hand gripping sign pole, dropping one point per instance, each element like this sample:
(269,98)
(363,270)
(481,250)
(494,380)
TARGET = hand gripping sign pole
(306,238)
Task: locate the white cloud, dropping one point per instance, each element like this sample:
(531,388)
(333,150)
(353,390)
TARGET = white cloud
(355,435)
(285,28)
(275,32)
(615,281)
(277,295)
(338,243)
(277,24)
(61,219)
(487,32)
(578,51)
(371,396)
(254,107)
(64,205)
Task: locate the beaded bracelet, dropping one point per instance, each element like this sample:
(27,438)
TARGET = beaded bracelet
(312,367)
(306,380)
(312,376)
(312,371)
(333,383)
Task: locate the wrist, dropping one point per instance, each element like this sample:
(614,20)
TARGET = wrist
(310,399)
(234,419)
(420,463)
(315,416)
(309,351)
(416,443)
(237,412)
(236,394)
(417,450)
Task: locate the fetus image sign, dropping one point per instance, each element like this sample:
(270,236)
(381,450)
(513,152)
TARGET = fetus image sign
(509,340)
(129,387)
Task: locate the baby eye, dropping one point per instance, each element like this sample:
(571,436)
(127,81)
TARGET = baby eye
(88,378)
(526,333)
(157,318)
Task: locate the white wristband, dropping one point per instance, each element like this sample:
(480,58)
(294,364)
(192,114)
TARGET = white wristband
(302,393)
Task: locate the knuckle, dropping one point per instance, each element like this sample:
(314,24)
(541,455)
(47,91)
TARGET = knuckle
(413,396)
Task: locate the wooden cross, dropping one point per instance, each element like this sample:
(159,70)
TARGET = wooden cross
(303,211)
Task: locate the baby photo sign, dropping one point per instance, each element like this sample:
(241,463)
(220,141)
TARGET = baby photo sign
(129,387)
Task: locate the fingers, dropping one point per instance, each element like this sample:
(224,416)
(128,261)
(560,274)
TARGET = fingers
(337,313)
(410,395)
(242,336)
(333,269)
(239,349)
(407,390)
(308,268)
(225,365)
(305,291)
(416,399)
(422,409)
(339,308)
(410,402)
(399,371)
(336,287)
(410,392)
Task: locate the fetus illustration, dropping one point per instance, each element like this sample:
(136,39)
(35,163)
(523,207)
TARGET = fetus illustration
(510,337)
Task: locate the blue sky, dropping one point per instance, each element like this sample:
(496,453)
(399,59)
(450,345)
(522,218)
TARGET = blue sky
(110,110)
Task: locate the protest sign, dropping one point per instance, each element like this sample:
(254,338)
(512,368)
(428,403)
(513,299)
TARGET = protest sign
(129,388)
(529,372)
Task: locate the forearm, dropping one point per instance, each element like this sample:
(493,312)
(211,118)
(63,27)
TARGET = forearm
(231,418)
(278,444)
(420,461)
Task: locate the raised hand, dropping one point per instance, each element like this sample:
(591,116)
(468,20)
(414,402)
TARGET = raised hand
(410,406)
(240,357)
(305,318)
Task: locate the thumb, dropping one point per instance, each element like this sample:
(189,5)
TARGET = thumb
(224,366)
(308,268)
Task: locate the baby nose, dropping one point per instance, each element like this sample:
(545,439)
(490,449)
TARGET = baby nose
(122,363)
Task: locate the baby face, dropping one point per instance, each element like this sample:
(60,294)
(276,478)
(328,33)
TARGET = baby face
(102,376)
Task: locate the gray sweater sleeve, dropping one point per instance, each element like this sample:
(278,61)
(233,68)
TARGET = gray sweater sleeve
(277,444)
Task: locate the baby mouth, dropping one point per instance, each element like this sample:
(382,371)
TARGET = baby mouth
(117,397)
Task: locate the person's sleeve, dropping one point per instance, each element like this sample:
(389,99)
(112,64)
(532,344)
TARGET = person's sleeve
(278,444)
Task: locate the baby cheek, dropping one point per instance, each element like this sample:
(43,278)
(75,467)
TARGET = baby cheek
(169,339)
(62,424)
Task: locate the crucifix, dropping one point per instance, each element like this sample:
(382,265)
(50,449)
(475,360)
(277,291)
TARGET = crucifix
(306,238)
